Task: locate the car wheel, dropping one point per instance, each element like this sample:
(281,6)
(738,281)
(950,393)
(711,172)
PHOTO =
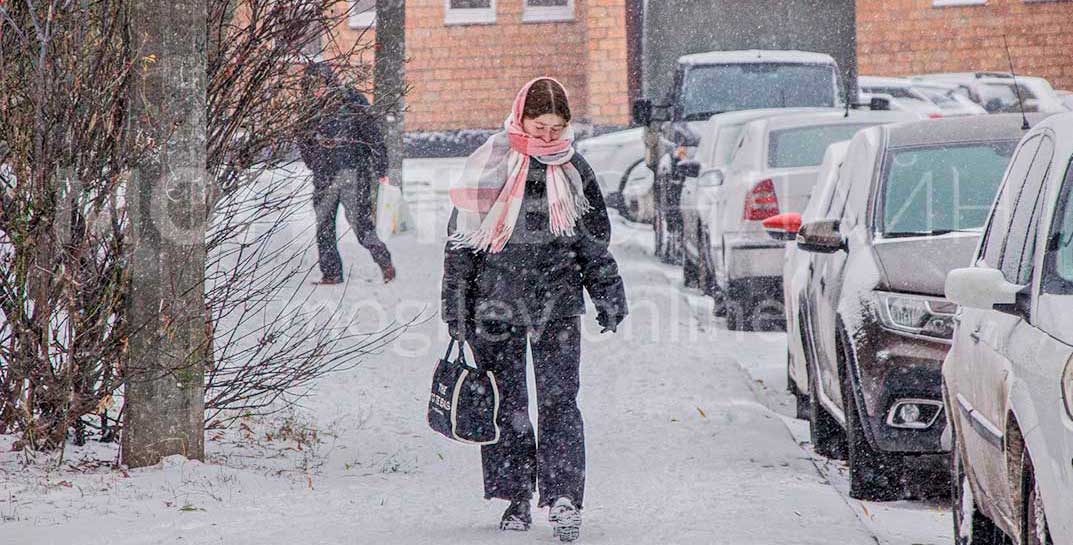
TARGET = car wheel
(801,399)
(707,279)
(827,436)
(1034,520)
(690,273)
(971,527)
(739,309)
(873,475)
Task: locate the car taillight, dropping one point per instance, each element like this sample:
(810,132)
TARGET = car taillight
(935,116)
(761,203)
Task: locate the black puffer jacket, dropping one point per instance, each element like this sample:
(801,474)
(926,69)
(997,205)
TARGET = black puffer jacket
(537,276)
(351,138)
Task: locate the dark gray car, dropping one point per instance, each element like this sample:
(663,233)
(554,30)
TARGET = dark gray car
(908,207)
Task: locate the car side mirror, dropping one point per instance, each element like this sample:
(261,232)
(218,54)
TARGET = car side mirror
(879,104)
(984,288)
(712,177)
(642,111)
(783,226)
(1031,104)
(822,237)
(687,169)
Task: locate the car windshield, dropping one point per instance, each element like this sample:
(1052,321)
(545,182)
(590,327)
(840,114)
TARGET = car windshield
(939,189)
(805,146)
(942,98)
(710,89)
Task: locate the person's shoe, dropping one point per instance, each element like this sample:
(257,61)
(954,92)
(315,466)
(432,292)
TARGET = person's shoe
(565,520)
(388,272)
(329,281)
(516,517)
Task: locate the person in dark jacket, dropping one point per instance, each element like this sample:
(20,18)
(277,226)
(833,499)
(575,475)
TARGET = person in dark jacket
(345,150)
(530,232)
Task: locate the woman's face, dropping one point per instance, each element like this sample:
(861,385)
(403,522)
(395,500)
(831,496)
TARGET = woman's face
(548,127)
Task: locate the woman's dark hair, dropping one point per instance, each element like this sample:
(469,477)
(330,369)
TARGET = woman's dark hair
(546,97)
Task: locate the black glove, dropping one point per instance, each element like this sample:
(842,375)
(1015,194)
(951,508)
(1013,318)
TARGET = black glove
(609,321)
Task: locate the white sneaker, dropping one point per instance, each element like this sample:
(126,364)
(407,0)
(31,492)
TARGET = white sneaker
(565,520)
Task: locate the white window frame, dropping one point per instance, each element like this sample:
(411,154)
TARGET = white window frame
(364,19)
(947,3)
(547,14)
(469,16)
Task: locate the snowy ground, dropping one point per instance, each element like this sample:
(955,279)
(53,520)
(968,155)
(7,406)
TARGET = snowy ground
(689,441)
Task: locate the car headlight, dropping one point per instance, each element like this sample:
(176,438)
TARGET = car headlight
(926,316)
(1067,387)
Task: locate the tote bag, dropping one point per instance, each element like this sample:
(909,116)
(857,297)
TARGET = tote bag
(464,402)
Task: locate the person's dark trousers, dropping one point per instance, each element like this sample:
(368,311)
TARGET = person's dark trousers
(352,191)
(514,465)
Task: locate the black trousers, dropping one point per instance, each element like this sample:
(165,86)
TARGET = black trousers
(515,465)
(351,189)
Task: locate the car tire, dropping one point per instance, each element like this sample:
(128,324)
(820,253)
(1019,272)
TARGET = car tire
(873,475)
(1034,529)
(971,527)
(801,401)
(739,311)
(827,436)
(690,273)
(707,278)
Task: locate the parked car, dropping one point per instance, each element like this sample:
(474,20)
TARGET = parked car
(795,269)
(1002,92)
(1008,378)
(706,84)
(902,94)
(948,99)
(611,155)
(907,209)
(702,176)
(772,171)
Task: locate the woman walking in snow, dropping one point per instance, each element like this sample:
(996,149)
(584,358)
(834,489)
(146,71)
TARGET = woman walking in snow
(528,233)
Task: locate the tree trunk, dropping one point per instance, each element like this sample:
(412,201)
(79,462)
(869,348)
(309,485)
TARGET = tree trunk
(168,347)
(389,81)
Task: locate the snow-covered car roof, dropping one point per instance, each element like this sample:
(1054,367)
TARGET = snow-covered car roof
(615,138)
(751,56)
(877,81)
(838,118)
(982,128)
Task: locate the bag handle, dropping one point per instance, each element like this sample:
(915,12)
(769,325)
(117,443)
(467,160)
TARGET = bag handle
(461,355)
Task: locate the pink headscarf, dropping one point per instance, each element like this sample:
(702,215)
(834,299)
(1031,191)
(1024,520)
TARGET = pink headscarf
(489,193)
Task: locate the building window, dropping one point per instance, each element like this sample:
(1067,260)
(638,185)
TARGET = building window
(362,13)
(944,3)
(469,12)
(539,11)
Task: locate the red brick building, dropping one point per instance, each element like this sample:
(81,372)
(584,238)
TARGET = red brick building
(896,37)
(469,57)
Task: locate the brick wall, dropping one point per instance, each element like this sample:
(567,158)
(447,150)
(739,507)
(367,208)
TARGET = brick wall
(607,70)
(901,37)
(465,76)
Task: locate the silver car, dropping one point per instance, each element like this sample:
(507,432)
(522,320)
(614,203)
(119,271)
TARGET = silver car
(1008,378)
(773,171)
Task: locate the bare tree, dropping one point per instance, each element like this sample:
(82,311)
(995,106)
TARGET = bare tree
(168,351)
(67,218)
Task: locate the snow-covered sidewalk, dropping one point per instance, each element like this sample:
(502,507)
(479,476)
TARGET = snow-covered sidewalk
(682,449)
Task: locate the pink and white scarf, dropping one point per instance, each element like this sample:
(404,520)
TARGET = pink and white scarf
(488,195)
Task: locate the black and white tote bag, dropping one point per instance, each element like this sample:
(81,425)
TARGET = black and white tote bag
(464,402)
